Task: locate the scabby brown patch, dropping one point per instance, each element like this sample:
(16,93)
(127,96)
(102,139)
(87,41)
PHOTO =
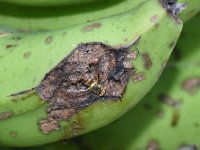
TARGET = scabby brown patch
(93,71)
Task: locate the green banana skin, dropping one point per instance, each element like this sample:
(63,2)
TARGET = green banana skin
(150,121)
(47,3)
(48,18)
(25,131)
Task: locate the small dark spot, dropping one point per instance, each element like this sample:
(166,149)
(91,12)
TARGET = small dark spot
(16,38)
(147,61)
(26,54)
(13,133)
(191,85)
(49,40)
(177,54)
(172,44)
(11,46)
(153,145)
(91,27)
(147,106)
(5,115)
(175,118)
(138,77)
(64,33)
(196,125)
(154,18)
(157,25)
(169,100)
(188,147)
(160,113)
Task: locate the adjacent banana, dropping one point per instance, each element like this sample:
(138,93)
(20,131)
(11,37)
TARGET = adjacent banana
(47,3)
(27,57)
(26,18)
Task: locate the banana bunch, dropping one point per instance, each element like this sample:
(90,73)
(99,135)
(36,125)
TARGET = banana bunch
(61,83)
(167,117)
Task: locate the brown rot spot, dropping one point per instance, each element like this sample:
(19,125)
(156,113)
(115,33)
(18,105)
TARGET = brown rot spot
(147,61)
(154,18)
(26,54)
(91,27)
(191,85)
(11,46)
(5,115)
(188,147)
(49,40)
(138,77)
(152,145)
(175,118)
(93,71)
(169,100)
(13,133)
(49,125)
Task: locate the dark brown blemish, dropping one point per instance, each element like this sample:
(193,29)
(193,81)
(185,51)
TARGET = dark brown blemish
(191,85)
(26,54)
(154,18)
(13,133)
(11,46)
(49,125)
(175,118)
(138,77)
(148,106)
(147,61)
(16,38)
(49,40)
(91,27)
(153,145)
(169,100)
(5,115)
(157,25)
(93,71)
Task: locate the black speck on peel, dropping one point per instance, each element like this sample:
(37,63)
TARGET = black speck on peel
(10,46)
(166,99)
(188,147)
(49,40)
(93,71)
(147,61)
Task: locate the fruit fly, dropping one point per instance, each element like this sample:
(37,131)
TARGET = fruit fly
(93,85)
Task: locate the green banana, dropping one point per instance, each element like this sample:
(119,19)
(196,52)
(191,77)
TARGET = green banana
(48,18)
(23,113)
(47,3)
(167,117)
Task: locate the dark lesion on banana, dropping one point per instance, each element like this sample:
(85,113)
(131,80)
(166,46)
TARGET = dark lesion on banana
(173,7)
(92,72)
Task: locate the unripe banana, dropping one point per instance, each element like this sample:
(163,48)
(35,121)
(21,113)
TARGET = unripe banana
(167,117)
(27,57)
(47,3)
(47,18)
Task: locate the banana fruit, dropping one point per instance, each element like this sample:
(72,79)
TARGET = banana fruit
(47,3)
(32,92)
(168,116)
